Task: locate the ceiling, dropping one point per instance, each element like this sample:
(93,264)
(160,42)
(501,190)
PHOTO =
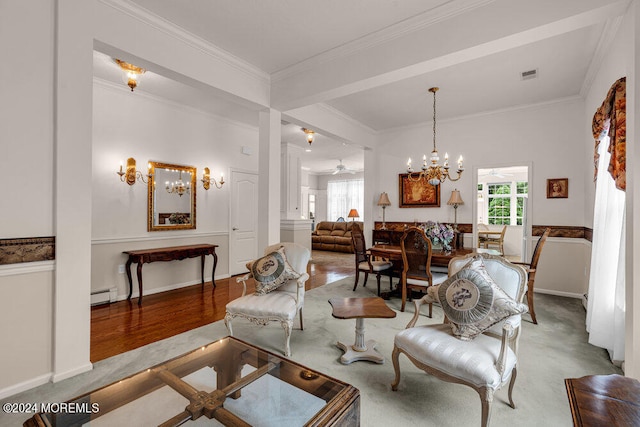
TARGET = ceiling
(287,37)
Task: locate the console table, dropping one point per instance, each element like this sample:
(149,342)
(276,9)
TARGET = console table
(169,254)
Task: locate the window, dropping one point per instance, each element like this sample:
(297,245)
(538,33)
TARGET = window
(342,196)
(499,204)
(506,202)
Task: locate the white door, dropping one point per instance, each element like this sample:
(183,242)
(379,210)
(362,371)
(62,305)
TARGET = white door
(243,218)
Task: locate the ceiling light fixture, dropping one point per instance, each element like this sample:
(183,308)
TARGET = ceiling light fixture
(434,173)
(132,73)
(310,134)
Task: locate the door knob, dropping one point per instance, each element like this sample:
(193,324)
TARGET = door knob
(234,228)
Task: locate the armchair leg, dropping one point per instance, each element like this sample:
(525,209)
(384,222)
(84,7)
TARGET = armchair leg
(301,322)
(378,279)
(514,373)
(366,277)
(227,323)
(486,398)
(396,367)
(287,326)
(355,285)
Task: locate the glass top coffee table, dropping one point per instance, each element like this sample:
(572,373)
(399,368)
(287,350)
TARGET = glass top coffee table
(228,382)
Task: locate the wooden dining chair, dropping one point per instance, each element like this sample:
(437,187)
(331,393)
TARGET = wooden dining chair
(416,264)
(531,268)
(365,262)
(498,242)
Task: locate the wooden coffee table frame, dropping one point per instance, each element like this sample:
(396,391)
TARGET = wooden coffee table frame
(226,357)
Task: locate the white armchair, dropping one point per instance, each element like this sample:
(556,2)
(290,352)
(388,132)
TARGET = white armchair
(484,362)
(280,305)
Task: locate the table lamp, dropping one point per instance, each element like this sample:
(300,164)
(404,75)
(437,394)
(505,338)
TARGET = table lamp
(455,200)
(353,213)
(384,202)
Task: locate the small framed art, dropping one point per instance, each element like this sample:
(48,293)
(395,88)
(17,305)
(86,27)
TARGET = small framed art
(417,194)
(557,188)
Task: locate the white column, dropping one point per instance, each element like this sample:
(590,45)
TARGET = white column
(73,80)
(269,185)
(291,191)
(632,290)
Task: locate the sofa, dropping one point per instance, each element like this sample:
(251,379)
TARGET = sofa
(334,236)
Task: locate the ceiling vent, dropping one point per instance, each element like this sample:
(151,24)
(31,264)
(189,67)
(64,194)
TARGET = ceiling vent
(528,75)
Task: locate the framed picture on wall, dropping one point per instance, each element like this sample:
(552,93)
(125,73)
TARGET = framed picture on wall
(557,188)
(417,194)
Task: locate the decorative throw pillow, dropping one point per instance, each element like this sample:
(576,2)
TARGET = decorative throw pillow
(271,271)
(473,302)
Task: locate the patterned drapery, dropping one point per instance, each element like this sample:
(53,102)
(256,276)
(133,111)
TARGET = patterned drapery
(611,118)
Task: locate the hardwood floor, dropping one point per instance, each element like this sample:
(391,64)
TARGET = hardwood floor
(123,326)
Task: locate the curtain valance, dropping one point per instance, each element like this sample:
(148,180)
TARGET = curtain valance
(610,119)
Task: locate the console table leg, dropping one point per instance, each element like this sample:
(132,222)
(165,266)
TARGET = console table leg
(213,273)
(202,270)
(128,268)
(140,282)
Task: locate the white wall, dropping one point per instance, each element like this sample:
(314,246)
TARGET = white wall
(549,136)
(149,128)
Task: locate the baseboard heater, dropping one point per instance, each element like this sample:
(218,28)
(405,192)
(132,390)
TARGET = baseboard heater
(104,296)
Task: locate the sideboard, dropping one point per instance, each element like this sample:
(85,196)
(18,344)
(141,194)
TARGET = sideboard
(392,234)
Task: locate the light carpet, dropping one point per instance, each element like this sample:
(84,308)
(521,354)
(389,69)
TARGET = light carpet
(554,349)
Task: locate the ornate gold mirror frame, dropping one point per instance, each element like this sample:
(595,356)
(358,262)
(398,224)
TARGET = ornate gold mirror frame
(171,197)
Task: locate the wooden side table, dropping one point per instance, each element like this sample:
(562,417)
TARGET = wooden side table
(359,309)
(604,400)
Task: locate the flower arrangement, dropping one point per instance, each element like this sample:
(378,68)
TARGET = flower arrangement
(439,234)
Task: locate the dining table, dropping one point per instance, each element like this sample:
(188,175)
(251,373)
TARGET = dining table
(439,260)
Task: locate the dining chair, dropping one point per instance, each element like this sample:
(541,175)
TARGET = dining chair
(498,242)
(482,238)
(531,268)
(416,264)
(365,262)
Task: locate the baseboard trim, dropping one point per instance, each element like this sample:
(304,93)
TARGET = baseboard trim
(72,372)
(558,293)
(136,294)
(24,386)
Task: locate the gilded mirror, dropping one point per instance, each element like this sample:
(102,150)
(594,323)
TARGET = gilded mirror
(172,197)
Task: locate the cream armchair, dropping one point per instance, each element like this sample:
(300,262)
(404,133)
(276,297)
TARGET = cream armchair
(280,305)
(484,362)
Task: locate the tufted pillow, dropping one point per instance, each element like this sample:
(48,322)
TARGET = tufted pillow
(473,302)
(271,271)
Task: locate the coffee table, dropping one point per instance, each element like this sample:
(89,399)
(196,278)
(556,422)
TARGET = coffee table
(359,309)
(229,380)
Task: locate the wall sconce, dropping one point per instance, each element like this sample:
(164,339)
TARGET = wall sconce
(132,73)
(310,135)
(207,180)
(130,174)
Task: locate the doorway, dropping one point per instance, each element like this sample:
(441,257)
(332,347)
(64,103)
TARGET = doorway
(503,200)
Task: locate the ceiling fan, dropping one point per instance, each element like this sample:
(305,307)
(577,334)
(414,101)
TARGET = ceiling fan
(340,169)
(496,173)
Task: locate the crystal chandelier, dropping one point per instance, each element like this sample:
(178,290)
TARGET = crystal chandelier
(178,187)
(434,173)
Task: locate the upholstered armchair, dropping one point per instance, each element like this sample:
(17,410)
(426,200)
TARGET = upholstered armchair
(278,305)
(478,344)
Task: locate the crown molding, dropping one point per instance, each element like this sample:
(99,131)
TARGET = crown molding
(410,25)
(607,37)
(157,22)
(565,100)
(122,88)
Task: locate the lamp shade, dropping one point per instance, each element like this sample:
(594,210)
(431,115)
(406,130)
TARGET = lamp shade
(353,213)
(384,200)
(455,198)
